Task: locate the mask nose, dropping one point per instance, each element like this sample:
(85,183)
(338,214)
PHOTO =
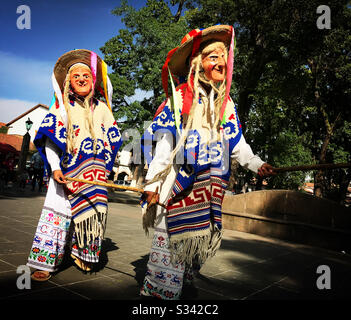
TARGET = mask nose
(221,62)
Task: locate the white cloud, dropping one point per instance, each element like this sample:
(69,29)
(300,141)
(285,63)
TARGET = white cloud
(11,109)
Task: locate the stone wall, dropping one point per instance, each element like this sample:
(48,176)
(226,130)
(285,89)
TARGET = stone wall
(289,215)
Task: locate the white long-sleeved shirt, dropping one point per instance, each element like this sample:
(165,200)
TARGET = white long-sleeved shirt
(52,154)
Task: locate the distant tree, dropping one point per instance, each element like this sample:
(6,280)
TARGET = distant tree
(136,56)
(4,129)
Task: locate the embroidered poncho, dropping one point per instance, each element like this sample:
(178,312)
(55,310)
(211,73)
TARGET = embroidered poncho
(88,202)
(194,209)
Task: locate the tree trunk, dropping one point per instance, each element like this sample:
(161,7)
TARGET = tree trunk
(233,172)
(319,178)
(179,11)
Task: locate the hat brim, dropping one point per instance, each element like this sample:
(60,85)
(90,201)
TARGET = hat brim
(69,59)
(178,62)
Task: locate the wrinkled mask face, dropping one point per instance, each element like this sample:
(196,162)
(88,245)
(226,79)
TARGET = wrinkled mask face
(214,65)
(81,80)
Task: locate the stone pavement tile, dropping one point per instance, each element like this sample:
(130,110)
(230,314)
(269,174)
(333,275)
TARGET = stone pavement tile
(231,276)
(202,293)
(5,267)
(254,249)
(304,287)
(337,264)
(17,238)
(260,275)
(15,259)
(5,223)
(134,268)
(24,229)
(20,240)
(223,290)
(218,264)
(304,281)
(2,238)
(107,288)
(296,282)
(8,284)
(125,258)
(235,259)
(25,219)
(73,275)
(296,259)
(114,269)
(274,293)
(55,293)
(287,265)
(11,247)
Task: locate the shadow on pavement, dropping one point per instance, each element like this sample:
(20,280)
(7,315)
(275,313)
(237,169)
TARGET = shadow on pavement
(107,246)
(140,269)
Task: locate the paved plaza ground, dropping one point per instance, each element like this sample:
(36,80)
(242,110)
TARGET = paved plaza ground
(247,266)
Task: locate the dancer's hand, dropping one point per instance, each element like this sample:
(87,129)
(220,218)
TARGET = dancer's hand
(266,170)
(151,197)
(59,177)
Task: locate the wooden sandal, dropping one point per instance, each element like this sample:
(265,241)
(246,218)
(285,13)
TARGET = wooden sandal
(81,265)
(36,275)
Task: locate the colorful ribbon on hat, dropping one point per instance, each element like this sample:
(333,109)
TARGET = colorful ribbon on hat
(93,66)
(53,100)
(105,83)
(230,65)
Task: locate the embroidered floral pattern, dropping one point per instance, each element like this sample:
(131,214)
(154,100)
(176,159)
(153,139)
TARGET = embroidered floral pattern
(160,292)
(163,279)
(49,240)
(90,252)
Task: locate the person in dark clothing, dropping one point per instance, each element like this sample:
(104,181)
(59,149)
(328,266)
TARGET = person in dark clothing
(38,171)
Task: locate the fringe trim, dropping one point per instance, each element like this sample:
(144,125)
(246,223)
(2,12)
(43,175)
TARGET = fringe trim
(198,247)
(89,229)
(149,217)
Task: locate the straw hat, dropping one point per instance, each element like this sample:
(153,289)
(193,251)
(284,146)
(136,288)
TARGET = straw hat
(178,61)
(72,57)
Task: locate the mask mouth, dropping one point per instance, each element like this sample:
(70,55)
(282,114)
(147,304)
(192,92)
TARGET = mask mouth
(218,69)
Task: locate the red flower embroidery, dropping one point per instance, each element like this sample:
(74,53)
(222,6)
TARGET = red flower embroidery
(41,259)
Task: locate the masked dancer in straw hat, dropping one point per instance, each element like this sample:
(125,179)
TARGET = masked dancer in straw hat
(196,131)
(78,138)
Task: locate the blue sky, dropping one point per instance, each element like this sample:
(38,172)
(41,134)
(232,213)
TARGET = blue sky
(27,57)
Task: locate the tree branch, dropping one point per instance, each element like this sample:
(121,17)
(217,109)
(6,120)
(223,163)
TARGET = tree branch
(179,11)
